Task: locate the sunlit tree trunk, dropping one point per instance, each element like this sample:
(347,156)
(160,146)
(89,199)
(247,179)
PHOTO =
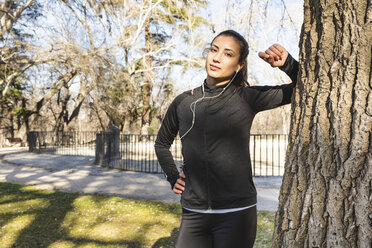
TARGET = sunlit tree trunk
(146,88)
(325,199)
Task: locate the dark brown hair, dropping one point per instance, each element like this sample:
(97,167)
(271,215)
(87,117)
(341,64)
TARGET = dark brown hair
(241,78)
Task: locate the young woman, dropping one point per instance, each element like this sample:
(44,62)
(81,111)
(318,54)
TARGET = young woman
(218,195)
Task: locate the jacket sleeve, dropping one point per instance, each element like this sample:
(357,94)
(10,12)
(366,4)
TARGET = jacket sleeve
(166,135)
(263,98)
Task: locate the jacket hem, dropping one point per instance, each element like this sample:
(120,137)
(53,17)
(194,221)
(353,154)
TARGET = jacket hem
(221,204)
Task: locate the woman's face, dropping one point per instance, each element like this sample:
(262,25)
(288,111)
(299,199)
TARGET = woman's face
(223,58)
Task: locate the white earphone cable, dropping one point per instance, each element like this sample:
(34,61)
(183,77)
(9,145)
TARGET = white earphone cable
(193,104)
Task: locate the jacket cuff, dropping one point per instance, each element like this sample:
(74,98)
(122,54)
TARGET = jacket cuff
(172,181)
(287,64)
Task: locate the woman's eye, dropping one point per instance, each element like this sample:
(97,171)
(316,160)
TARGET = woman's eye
(213,50)
(228,54)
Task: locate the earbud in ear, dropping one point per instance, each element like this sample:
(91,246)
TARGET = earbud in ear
(238,69)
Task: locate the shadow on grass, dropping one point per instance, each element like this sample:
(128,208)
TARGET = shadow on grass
(39,218)
(49,209)
(167,241)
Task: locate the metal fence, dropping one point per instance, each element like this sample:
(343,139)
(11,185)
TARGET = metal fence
(136,152)
(267,154)
(63,143)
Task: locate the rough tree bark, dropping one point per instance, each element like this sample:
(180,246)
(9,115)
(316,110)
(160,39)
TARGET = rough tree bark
(325,199)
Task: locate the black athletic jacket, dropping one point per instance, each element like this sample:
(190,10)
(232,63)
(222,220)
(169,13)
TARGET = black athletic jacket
(217,164)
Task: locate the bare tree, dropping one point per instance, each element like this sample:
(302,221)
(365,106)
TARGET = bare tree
(14,45)
(180,12)
(114,52)
(325,198)
(10,12)
(16,56)
(142,64)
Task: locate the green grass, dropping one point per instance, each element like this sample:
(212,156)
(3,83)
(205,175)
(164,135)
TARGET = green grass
(30,217)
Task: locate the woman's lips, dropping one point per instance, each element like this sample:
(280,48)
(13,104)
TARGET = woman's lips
(214,68)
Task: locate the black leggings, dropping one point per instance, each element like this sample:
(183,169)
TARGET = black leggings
(235,229)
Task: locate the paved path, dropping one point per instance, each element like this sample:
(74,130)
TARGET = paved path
(79,174)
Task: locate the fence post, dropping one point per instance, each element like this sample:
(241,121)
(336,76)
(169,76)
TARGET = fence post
(100,148)
(31,139)
(107,146)
(113,145)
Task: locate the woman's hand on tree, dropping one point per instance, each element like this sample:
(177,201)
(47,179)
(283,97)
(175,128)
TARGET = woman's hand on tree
(179,187)
(275,55)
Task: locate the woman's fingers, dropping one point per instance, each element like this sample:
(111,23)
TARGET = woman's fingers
(275,55)
(177,191)
(180,182)
(269,56)
(179,187)
(269,59)
(279,48)
(263,55)
(274,52)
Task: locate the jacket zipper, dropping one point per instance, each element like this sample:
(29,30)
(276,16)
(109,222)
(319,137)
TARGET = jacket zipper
(206,163)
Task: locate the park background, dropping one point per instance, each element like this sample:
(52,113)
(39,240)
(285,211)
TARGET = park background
(85,65)
(75,68)
(72,69)
(70,66)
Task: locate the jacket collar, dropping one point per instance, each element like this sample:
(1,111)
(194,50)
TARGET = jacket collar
(216,88)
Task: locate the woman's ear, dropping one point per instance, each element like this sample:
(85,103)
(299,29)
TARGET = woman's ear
(240,66)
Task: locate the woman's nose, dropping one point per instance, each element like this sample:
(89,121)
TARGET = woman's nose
(217,57)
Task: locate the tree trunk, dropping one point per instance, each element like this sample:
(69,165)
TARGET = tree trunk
(26,117)
(62,120)
(146,90)
(325,199)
